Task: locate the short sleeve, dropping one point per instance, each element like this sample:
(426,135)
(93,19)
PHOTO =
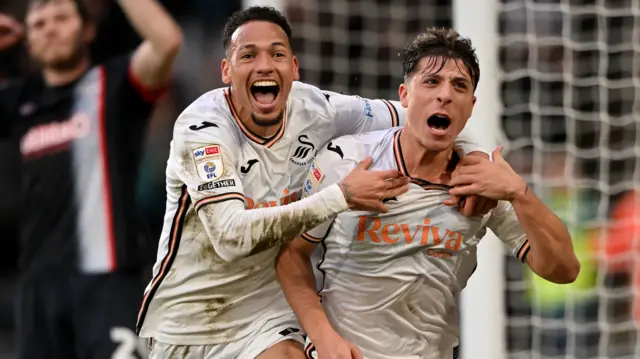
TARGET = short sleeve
(328,168)
(203,158)
(504,223)
(131,88)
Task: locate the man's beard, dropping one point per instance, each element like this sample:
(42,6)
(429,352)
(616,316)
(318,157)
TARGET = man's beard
(267,123)
(65,64)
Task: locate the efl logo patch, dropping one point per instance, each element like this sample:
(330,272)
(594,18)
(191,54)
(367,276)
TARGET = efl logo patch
(208,162)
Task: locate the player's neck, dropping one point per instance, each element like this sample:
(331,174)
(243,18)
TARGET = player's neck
(424,164)
(244,116)
(57,77)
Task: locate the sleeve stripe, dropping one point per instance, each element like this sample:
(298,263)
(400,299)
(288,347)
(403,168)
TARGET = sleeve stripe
(523,251)
(310,238)
(148,93)
(393,112)
(219,198)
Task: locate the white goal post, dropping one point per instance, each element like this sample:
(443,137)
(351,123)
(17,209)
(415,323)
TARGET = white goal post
(482,321)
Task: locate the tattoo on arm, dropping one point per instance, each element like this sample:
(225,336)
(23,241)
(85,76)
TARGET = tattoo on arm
(512,197)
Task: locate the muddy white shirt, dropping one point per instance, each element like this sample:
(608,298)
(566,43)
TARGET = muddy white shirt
(390,281)
(232,197)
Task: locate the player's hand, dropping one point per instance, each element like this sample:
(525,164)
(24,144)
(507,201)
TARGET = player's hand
(337,347)
(10,32)
(491,179)
(365,190)
(471,206)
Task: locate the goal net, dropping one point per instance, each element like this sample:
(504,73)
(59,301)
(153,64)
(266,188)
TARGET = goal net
(570,89)
(570,92)
(353,46)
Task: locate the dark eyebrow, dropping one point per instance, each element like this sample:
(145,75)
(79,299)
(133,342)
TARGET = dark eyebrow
(462,79)
(278,43)
(456,79)
(253,46)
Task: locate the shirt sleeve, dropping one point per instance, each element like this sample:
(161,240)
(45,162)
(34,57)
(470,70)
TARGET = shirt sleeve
(355,114)
(504,223)
(130,87)
(204,159)
(326,170)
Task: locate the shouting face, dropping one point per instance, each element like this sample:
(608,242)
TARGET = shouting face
(260,67)
(439,100)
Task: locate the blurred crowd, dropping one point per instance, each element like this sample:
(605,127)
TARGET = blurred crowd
(575,160)
(195,72)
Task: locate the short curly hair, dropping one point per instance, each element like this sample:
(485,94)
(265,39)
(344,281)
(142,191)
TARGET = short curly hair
(254,13)
(441,43)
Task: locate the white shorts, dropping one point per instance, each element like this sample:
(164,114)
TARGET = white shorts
(310,352)
(272,332)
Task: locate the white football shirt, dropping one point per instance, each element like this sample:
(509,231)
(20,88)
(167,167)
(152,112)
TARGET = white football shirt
(390,281)
(232,197)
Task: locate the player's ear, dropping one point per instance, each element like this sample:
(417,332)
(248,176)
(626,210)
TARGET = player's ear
(225,71)
(403,92)
(474,100)
(296,69)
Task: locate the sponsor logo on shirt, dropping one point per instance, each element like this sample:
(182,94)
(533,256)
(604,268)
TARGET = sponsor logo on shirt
(54,136)
(217,184)
(306,189)
(440,242)
(304,153)
(314,177)
(286,198)
(368,112)
(205,152)
(316,172)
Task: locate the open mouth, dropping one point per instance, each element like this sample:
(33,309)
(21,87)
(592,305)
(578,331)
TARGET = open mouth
(265,92)
(439,123)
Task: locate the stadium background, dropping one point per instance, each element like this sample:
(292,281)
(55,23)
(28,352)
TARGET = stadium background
(569,91)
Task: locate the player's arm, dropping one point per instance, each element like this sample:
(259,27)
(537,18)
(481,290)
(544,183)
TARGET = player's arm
(355,114)
(295,274)
(204,159)
(537,237)
(529,228)
(293,264)
(153,59)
